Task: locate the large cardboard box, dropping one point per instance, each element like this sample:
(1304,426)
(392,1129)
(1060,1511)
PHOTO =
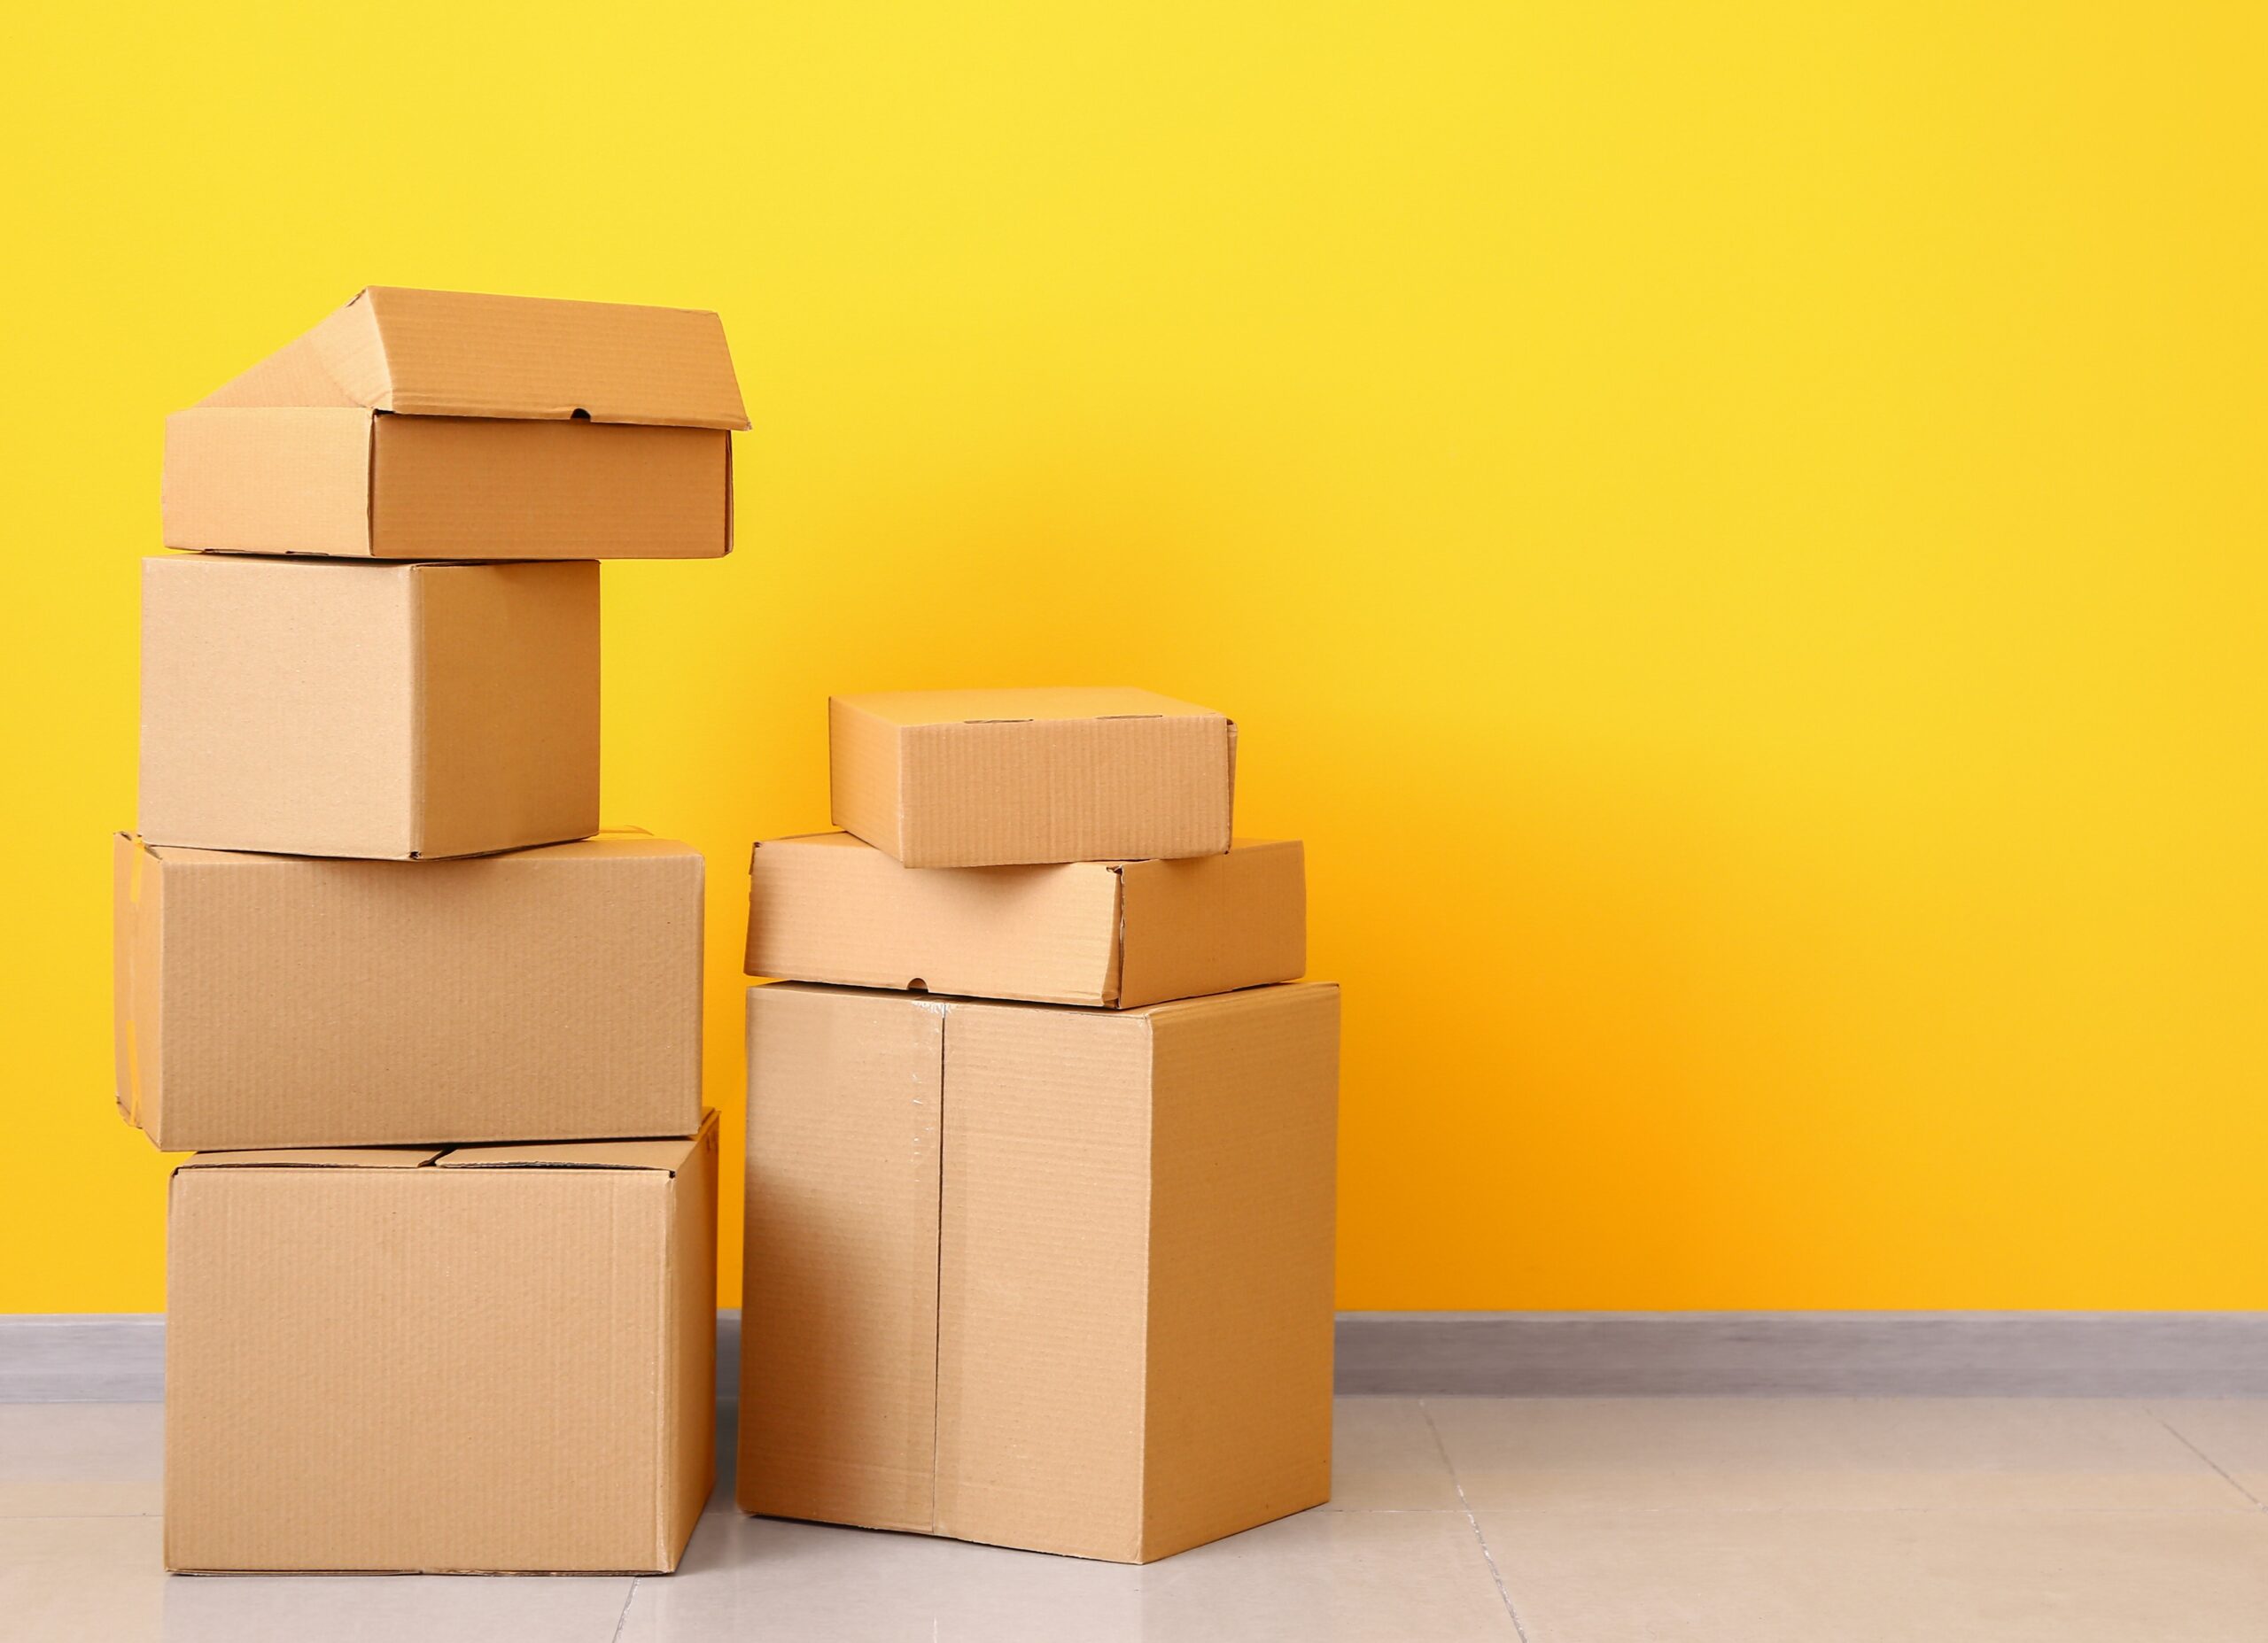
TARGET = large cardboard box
(827,907)
(332,708)
(267,1000)
(489,1358)
(1001,778)
(1039,1277)
(421,424)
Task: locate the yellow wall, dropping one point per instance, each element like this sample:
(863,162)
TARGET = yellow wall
(1735,532)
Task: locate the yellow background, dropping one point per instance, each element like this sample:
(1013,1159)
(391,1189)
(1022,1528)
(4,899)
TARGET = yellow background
(1735,532)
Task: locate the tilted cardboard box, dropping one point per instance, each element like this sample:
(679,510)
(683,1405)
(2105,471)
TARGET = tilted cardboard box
(420,424)
(1038,1277)
(321,708)
(827,907)
(269,1000)
(1001,778)
(490,1358)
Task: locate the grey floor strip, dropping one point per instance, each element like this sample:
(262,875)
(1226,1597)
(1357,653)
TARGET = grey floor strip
(121,1359)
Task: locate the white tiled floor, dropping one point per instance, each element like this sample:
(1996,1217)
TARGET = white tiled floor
(1558,1521)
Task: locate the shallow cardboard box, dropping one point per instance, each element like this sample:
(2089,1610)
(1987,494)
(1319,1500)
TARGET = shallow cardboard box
(489,1358)
(268,1000)
(1039,1277)
(329,708)
(1001,778)
(421,424)
(827,907)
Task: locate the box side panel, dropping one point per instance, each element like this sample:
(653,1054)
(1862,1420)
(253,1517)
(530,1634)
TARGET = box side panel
(863,774)
(137,921)
(689,1410)
(467,488)
(834,908)
(537,995)
(509,705)
(276,705)
(1239,1350)
(1064,790)
(1041,1280)
(244,481)
(839,1314)
(413,1369)
(1206,923)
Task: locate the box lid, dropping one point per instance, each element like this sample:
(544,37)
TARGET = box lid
(1022,705)
(664,1157)
(460,354)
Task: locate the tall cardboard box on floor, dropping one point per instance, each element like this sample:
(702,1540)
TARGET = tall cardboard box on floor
(321,708)
(424,424)
(1038,1275)
(281,1001)
(490,1358)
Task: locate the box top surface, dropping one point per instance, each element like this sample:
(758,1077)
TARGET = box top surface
(463,353)
(664,1157)
(851,843)
(607,844)
(1020,705)
(945,1003)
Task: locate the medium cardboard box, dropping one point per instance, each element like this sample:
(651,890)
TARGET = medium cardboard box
(494,1358)
(1038,1277)
(422,424)
(1001,777)
(332,708)
(267,1000)
(828,908)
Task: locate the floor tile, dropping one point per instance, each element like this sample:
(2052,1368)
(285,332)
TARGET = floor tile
(1987,1576)
(1320,1576)
(2230,1432)
(71,1579)
(64,1459)
(1385,1458)
(1559,1455)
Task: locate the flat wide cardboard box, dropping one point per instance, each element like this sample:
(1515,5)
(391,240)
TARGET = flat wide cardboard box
(489,1358)
(422,424)
(1003,778)
(1039,1277)
(324,708)
(827,907)
(268,1001)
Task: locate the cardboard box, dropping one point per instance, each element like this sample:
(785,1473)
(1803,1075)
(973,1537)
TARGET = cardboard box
(494,1358)
(420,424)
(1038,1277)
(329,708)
(268,1001)
(1001,777)
(828,908)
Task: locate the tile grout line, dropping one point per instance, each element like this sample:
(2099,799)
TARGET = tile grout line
(623,1618)
(2181,1438)
(1480,1539)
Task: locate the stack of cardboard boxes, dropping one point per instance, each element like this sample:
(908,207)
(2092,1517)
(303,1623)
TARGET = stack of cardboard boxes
(1040,1137)
(441,1274)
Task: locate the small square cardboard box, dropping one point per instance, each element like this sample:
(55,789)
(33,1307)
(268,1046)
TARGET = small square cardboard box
(1038,1277)
(422,424)
(322,708)
(1004,778)
(828,908)
(493,1359)
(267,1000)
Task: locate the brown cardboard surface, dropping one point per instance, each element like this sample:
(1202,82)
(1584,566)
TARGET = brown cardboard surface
(827,907)
(414,424)
(324,708)
(422,1368)
(994,777)
(1130,1305)
(275,1000)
